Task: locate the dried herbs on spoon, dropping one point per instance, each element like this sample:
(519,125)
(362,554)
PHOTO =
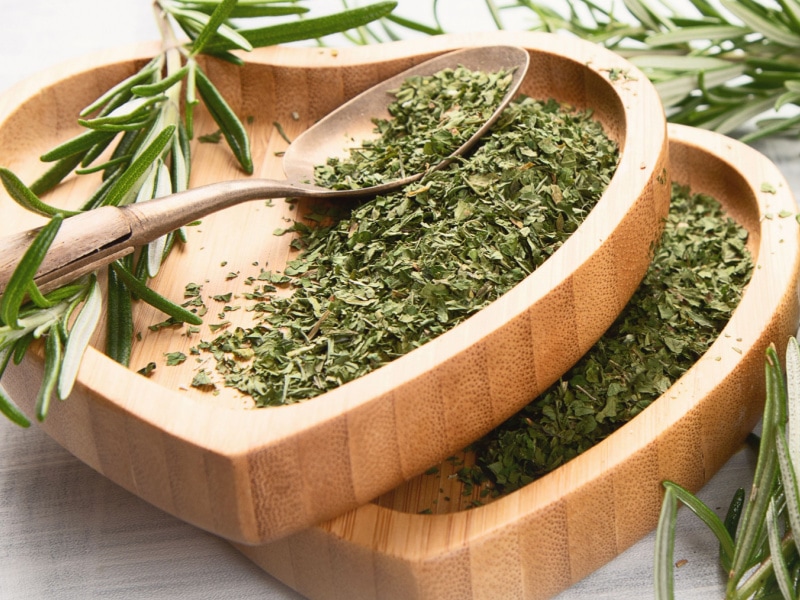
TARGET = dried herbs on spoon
(432,116)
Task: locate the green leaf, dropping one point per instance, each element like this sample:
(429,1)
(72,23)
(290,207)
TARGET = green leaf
(119,321)
(104,166)
(191,99)
(24,273)
(246,10)
(663,569)
(161,86)
(731,523)
(706,9)
(679,64)
(36,297)
(705,514)
(55,174)
(791,8)
(751,529)
(789,480)
(414,25)
(685,35)
(153,298)
(760,24)
(307,29)
(674,90)
(212,27)
(228,122)
(772,127)
(7,406)
(781,570)
(647,14)
(52,367)
(193,21)
(124,186)
(155,249)
(81,332)
(12,411)
(181,161)
(147,72)
(79,144)
(25,197)
(131,113)
(742,114)
(786,99)
(793,400)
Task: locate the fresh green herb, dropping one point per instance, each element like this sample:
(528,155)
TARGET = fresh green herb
(759,550)
(399,270)
(688,294)
(717,64)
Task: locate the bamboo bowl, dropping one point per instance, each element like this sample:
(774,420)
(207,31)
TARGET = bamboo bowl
(254,475)
(539,540)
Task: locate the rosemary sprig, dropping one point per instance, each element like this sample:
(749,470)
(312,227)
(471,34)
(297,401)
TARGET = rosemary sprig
(759,549)
(145,124)
(717,64)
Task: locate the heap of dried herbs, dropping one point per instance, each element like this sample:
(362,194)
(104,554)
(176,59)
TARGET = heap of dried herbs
(431,117)
(401,269)
(687,296)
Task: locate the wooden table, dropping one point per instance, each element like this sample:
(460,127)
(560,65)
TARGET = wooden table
(66,532)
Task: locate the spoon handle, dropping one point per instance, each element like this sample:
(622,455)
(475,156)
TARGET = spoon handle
(95,238)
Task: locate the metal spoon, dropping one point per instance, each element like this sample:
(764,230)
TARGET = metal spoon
(97,237)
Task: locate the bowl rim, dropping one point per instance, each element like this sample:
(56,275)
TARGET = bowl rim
(342,397)
(142,400)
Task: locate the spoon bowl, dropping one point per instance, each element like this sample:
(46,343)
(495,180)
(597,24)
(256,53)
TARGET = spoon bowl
(98,237)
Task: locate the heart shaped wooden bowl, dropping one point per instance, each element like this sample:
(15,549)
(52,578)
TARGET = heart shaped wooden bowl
(254,475)
(537,541)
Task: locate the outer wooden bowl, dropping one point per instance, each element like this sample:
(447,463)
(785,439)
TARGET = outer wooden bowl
(539,540)
(255,475)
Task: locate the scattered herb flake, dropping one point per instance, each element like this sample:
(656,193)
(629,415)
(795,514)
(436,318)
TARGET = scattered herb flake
(210,138)
(175,358)
(148,369)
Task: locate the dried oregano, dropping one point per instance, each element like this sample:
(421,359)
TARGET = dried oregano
(430,118)
(694,284)
(399,270)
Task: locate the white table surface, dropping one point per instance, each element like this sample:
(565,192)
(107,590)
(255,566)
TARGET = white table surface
(66,532)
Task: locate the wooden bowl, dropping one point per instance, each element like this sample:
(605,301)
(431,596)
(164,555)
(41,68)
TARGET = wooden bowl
(254,475)
(537,541)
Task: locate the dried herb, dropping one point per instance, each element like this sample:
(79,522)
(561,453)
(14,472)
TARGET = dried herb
(431,117)
(692,287)
(399,270)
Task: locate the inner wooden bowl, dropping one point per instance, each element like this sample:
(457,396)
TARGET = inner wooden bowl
(254,475)
(539,540)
